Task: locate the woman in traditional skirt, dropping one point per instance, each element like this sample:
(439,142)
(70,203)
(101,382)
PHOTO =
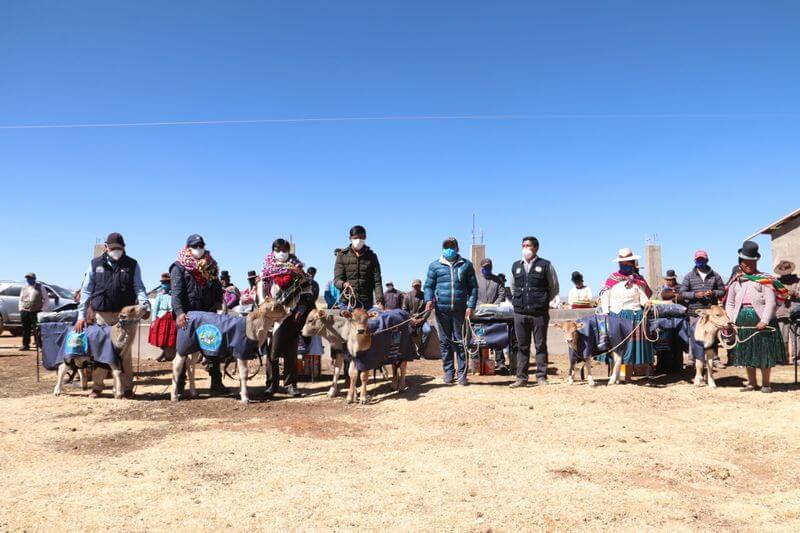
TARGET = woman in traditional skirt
(627,294)
(751,301)
(162,330)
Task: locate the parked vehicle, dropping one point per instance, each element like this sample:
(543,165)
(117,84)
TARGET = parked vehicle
(9,302)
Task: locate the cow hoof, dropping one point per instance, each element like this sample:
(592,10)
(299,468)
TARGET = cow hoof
(592,383)
(174,398)
(349,400)
(712,385)
(331,393)
(193,394)
(57,393)
(245,400)
(570,381)
(612,383)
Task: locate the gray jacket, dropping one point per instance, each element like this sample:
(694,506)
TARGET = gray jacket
(490,290)
(693,283)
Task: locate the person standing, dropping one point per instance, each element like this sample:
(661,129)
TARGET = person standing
(196,287)
(700,288)
(284,280)
(534,284)
(162,330)
(786,275)
(414,304)
(357,268)
(230,292)
(311,273)
(32,300)
(113,281)
(452,288)
(392,298)
(670,291)
(751,301)
(492,291)
(580,296)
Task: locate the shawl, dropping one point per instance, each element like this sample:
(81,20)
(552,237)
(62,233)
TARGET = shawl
(781,292)
(203,270)
(618,277)
(280,273)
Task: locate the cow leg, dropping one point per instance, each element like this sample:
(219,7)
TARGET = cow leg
(587,364)
(615,372)
(402,385)
(338,365)
(243,396)
(177,370)
(698,371)
(351,391)
(710,370)
(571,375)
(192,361)
(394,377)
(364,379)
(384,375)
(62,371)
(84,380)
(116,372)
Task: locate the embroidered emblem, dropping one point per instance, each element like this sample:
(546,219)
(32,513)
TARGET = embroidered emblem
(209,337)
(538,269)
(76,344)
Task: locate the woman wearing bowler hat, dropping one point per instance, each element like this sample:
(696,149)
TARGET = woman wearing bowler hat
(751,302)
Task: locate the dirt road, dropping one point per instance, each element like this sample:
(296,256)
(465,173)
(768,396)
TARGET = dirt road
(435,458)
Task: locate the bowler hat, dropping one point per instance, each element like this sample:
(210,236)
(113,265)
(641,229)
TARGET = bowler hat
(749,251)
(577,276)
(251,274)
(670,274)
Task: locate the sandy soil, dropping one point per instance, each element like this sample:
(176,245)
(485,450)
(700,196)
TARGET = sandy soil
(436,458)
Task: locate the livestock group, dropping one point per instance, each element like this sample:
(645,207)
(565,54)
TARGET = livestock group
(199,315)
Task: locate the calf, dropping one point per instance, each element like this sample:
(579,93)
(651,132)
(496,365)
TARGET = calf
(708,331)
(122,334)
(343,330)
(256,325)
(571,330)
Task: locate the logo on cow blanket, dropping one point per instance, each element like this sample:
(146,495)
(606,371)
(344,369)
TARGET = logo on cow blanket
(76,344)
(209,337)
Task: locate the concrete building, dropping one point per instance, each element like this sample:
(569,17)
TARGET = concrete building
(785,233)
(478,254)
(652,266)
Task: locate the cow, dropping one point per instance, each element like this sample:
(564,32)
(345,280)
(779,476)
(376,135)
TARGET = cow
(571,331)
(121,334)
(256,327)
(344,330)
(708,331)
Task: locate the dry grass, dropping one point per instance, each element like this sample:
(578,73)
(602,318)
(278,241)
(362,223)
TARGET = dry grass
(437,458)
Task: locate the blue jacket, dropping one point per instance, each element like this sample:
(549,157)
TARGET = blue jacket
(453,285)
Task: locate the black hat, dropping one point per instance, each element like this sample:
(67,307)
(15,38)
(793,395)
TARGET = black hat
(749,251)
(486,262)
(358,230)
(670,274)
(251,274)
(577,276)
(195,240)
(115,241)
(224,275)
(30,275)
(311,270)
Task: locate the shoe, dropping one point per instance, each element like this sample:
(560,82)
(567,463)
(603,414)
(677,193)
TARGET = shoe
(541,382)
(463,382)
(293,392)
(747,388)
(520,383)
(270,391)
(128,394)
(93,394)
(448,379)
(216,379)
(501,371)
(766,390)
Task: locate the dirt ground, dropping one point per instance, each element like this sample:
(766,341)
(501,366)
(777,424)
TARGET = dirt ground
(435,458)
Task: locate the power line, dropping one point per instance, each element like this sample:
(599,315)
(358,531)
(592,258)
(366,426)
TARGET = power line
(399,118)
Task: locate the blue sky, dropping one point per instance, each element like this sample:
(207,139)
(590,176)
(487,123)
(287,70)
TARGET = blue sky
(679,119)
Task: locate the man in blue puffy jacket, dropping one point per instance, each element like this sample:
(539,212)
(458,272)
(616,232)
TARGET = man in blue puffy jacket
(452,289)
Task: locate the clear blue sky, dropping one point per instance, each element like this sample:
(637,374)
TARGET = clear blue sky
(701,146)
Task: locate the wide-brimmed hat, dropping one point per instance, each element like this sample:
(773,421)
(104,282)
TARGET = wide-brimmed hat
(749,251)
(165,277)
(670,274)
(625,254)
(416,282)
(784,268)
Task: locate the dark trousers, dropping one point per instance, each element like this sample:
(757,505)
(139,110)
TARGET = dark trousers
(28,327)
(450,323)
(526,326)
(284,344)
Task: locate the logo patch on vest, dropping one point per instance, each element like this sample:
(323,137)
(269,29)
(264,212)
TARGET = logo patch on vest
(76,344)
(209,337)
(519,270)
(538,269)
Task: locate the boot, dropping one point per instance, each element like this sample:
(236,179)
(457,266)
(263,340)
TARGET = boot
(216,379)
(182,381)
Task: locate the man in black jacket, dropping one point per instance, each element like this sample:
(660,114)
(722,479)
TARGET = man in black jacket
(534,284)
(357,268)
(701,288)
(197,289)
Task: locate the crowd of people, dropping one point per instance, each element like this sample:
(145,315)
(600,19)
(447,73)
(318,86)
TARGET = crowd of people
(451,291)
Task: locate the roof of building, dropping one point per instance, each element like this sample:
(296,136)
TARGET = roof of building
(775,225)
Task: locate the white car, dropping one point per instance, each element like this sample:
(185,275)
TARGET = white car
(9,302)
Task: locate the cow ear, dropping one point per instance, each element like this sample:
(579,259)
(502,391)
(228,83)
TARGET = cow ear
(701,312)
(320,313)
(347,314)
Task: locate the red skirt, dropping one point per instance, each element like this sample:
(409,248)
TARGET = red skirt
(163,331)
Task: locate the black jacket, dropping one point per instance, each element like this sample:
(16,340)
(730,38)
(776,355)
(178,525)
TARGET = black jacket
(363,272)
(188,295)
(692,283)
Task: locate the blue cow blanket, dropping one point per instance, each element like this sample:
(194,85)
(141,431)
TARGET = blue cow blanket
(60,343)
(490,335)
(215,335)
(310,345)
(393,346)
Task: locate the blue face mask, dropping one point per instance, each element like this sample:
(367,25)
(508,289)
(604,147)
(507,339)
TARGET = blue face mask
(31,281)
(626,269)
(701,264)
(449,253)
(486,272)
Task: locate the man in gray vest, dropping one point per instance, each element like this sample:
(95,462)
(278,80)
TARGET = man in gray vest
(492,291)
(113,281)
(32,299)
(534,284)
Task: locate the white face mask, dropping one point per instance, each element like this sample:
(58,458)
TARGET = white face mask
(527,253)
(358,243)
(115,254)
(198,253)
(281,256)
